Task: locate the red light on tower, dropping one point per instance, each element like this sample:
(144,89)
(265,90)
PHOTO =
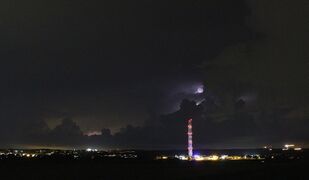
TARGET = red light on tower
(190,142)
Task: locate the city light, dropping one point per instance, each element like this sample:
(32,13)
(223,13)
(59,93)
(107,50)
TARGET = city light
(91,150)
(198,158)
(182,157)
(291,147)
(223,157)
(215,157)
(212,158)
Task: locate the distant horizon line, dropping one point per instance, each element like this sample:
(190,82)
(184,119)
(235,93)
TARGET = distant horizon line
(140,149)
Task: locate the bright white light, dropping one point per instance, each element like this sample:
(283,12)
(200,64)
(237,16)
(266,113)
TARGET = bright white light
(199,102)
(199,90)
(289,145)
(164,157)
(223,157)
(213,158)
(182,157)
(198,158)
(91,150)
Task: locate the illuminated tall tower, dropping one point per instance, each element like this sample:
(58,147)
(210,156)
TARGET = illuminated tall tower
(190,146)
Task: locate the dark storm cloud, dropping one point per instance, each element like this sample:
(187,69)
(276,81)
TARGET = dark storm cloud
(105,63)
(258,88)
(113,64)
(269,74)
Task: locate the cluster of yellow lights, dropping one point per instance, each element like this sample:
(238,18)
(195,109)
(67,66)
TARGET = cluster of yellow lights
(28,155)
(216,158)
(161,157)
(211,157)
(291,146)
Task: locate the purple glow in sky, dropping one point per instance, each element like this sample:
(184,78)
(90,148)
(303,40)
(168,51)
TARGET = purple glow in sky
(199,90)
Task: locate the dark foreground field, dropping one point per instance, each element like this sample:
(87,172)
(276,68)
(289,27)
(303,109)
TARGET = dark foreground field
(138,169)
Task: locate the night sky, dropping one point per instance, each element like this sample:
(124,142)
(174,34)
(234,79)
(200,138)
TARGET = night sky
(128,74)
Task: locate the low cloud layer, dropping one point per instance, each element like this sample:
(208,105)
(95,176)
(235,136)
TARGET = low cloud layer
(212,127)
